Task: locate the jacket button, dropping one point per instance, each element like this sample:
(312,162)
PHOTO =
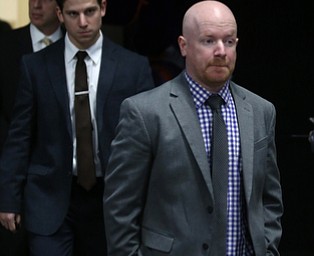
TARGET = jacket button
(205,246)
(209,209)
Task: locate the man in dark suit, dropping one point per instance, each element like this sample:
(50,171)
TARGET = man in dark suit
(13,45)
(43,23)
(161,195)
(39,163)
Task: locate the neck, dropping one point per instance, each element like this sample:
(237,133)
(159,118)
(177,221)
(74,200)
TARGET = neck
(49,30)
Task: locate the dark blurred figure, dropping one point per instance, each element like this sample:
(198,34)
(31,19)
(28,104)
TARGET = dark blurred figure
(120,16)
(16,43)
(154,31)
(4,27)
(13,45)
(151,28)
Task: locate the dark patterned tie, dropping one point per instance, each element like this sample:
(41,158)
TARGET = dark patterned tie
(86,175)
(219,169)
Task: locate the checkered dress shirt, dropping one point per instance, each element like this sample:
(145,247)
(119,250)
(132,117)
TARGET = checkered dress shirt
(238,239)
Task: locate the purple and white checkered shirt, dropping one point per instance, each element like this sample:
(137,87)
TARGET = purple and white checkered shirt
(238,239)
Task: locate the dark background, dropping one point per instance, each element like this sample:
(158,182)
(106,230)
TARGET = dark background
(275,60)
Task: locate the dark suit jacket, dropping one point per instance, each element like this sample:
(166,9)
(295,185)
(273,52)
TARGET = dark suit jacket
(159,169)
(13,46)
(36,164)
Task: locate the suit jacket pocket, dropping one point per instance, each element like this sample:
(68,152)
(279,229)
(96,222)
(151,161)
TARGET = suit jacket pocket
(260,144)
(156,241)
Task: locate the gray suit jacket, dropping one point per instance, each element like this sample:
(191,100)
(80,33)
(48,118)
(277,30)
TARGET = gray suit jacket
(159,195)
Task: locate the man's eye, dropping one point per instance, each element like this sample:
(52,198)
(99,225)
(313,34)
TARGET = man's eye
(230,42)
(208,41)
(90,12)
(72,14)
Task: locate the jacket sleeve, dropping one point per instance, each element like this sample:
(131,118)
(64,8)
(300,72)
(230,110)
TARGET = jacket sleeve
(126,182)
(272,195)
(15,154)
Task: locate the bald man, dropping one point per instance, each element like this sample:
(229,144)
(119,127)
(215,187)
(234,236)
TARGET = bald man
(160,196)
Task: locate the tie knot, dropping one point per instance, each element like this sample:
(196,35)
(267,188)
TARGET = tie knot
(81,55)
(46,41)
(215,101)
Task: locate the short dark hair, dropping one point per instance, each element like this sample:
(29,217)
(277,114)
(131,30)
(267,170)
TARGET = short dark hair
(60,3)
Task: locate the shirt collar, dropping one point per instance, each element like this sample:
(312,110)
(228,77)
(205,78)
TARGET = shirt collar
(37,35)
(200,94)
(94,52)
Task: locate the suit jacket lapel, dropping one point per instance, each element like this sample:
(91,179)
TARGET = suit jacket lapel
(183,108)
(57,76)
(106,74)
(56,71)
(246,127)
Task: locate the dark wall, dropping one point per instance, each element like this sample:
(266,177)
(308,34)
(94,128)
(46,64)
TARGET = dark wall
(275,59)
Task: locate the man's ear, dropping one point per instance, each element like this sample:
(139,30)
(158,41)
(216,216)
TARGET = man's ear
(103,7)
(182,45)
(59,14)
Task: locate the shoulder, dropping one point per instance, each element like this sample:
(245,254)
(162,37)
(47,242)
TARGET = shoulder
(158,97)
(116,51)
(245,99)
(249,96)
(15,34)
(12,38)
(57,48)
(5,26)
(52,55)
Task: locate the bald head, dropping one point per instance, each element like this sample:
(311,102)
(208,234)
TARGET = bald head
(206,13)
(209,44)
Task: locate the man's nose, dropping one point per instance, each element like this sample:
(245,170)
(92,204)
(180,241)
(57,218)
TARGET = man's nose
(82,20)
(220,48)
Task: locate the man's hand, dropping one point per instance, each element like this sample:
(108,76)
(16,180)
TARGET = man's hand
(10,221)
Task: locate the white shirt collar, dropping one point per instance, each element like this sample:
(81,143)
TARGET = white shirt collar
(37,35)
(94,52)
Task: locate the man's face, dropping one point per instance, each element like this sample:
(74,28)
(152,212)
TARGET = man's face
(42,14)
(210,52)
(82,20)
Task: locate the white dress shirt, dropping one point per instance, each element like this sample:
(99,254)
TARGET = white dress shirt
(92,61)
